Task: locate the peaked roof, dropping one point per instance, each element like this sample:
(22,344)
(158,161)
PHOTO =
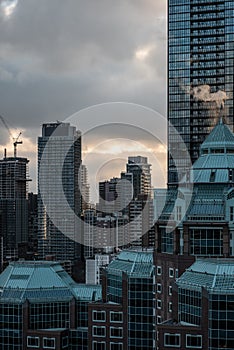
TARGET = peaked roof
(215,275)
(220,136)
(133,263)
(42,280)
(217,156)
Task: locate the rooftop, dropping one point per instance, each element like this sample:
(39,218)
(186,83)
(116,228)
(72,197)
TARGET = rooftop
(220,137)
(215,275)
(42,280)
(135,263)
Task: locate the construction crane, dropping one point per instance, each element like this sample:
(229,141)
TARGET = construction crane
(17,142)
(15,139)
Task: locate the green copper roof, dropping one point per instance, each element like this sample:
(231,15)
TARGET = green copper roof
(43,281)
(133,263)
(220,136)
(215,275)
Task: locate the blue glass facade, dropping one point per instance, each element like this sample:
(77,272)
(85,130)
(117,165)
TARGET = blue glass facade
(41,307)
(200,52)
(56,140)
(137,269)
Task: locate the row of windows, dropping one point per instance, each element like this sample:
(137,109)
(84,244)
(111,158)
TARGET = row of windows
(206,241)
(115,316)
(48,343)
(159,305)
(171,272)
(174,340)
(100,331)
(189,306)
(102,346)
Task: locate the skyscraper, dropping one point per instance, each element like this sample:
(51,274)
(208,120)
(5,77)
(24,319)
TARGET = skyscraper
(141,176)
(84,187)
(13,204)
(200,74)
(50,239)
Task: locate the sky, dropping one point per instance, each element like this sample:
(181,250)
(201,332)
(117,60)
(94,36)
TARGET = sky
(60,57)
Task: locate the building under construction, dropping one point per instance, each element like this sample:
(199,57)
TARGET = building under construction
(13,205)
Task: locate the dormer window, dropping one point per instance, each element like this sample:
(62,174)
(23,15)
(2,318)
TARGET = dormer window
(205,151)
(217,150)
(212,175)
(230,175)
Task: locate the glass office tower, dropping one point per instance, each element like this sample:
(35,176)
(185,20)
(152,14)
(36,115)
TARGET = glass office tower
(56,139)
(200,64)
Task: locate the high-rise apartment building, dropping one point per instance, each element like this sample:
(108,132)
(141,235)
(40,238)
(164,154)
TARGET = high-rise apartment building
(141,175)
(200,74)
(13,205)
(108,195)
(63,144)
(84,187)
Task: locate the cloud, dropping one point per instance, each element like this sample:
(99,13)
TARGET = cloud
(57,57)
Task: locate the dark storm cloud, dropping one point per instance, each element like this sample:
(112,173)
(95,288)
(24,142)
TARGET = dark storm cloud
(57,57)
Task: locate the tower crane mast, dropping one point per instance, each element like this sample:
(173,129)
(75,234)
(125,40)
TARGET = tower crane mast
(14,139)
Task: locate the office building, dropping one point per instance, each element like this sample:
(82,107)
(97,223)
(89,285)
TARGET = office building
(141,222)
(197,223)
(13,205)
(84,187)
(94,267)
(140,169)
(125,317)
(43,308)
(200,75)
(108,196)
(59,148)
(159,199)
(89,230)
(202,317)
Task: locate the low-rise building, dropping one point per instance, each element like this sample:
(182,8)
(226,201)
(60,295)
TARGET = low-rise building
(41,307)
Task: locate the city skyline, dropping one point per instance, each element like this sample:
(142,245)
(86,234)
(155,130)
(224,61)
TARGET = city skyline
(85,66)
(151,265)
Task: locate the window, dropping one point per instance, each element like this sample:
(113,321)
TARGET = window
(170,290)
(116,346)
(33,342)
(99,345)
(172,340)
(99,316)
(231,214)
(159,270)
(159,304)
(193,341)
(179,213)
(159,288)
(116,332)
(65,342)
(170,306)
(171,272)
(99,331)
(189,306)
(49,343)
(159,319)
(116,316)
(206,241)
(231,175)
